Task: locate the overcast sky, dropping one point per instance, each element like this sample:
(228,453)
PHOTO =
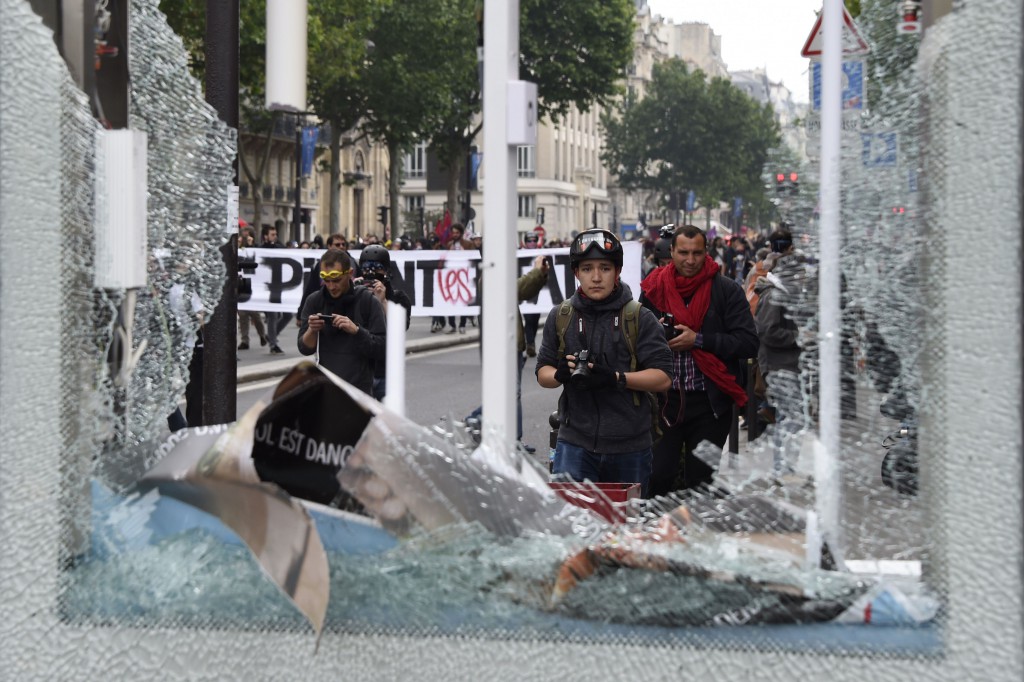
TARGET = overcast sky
(755,33)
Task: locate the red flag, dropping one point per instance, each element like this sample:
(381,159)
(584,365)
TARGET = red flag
(441,229)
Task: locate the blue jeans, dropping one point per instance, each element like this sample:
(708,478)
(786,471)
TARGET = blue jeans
(624,467)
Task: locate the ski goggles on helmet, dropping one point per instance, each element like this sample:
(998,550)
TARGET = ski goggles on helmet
(333,275)
(596,244)
(373,266)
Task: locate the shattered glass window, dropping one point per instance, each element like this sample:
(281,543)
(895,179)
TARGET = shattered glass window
(413,535)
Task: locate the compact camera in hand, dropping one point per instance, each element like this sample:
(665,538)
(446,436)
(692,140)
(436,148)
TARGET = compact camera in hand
(669,325)
(325,317)
(580,376)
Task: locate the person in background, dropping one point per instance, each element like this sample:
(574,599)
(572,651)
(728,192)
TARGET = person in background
(531,321)
(249,318)
(778,358)
(343,324)
(375,270)
(275,321)
(717,251)
(737,260)
(711,334)
(457,242)
(662,254)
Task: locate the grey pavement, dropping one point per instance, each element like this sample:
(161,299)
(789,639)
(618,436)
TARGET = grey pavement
(257,364)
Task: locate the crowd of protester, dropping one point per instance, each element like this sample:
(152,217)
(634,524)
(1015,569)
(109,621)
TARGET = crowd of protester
(664,366)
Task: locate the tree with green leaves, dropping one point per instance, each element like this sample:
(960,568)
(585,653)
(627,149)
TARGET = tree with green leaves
(575,51)
(188,19)
(339,52)
(420,81)
(690,134)
(452,137)
(408,81)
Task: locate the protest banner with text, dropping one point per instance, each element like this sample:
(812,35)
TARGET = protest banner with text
(437,282)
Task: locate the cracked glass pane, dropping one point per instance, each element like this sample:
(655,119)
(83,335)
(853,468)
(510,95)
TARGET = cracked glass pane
(379,525)
(458,545)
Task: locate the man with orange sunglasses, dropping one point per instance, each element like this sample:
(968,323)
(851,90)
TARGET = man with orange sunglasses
(343,325)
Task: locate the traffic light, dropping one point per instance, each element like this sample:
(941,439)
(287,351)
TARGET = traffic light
(780,182)
(898,210)
(794,183)
(382,215)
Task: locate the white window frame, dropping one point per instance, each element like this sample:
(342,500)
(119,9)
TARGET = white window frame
(526,161)
(527,204)
(414,202)
(414,163)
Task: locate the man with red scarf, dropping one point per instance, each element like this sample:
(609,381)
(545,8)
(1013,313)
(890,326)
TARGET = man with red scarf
(714,333)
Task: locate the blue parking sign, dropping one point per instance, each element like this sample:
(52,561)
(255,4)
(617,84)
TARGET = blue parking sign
(879,149)
(853,86)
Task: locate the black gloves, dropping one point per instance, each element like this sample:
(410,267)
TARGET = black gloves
(601,378)
(563,372)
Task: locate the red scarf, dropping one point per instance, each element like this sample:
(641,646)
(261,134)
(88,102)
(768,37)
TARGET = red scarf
(666,290)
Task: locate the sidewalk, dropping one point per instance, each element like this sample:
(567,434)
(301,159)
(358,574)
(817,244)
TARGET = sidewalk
(257,364)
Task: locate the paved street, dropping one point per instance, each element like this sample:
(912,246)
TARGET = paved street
(442,379)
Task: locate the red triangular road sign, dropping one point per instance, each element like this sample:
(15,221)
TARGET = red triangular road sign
(853,43)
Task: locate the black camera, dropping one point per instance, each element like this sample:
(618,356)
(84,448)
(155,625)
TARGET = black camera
(580,376)
(325,317)
(669,325)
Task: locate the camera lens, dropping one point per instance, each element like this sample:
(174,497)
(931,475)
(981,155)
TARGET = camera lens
(580,377)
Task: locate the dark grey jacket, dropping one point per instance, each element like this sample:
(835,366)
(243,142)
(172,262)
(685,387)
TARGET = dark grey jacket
(776,329)
(350,356)
(607,421)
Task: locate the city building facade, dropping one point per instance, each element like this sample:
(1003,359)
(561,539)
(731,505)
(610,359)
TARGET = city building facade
(363,184)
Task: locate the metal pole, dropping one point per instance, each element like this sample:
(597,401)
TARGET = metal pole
(827,479)
(219,332)
(297,218)
(501,64)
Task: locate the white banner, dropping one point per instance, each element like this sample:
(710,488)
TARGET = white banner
(438,282)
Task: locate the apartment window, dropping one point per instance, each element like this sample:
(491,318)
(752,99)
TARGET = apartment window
(526,161)
(415,164)
(527,205)
(413,202)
